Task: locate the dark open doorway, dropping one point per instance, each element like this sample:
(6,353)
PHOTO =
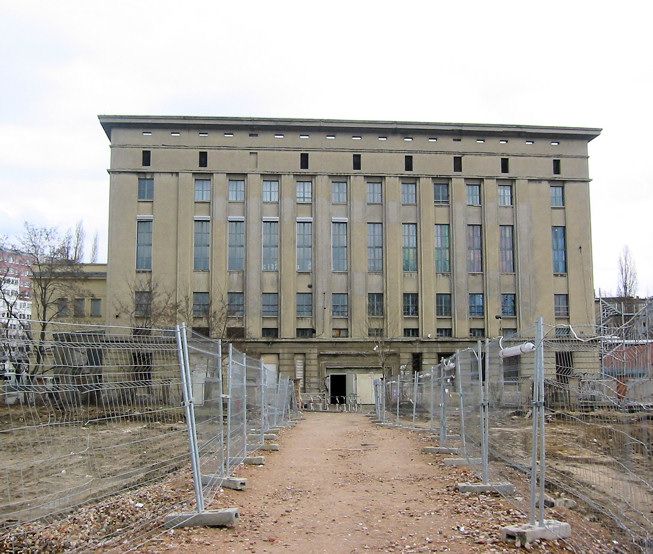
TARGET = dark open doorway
(338,389)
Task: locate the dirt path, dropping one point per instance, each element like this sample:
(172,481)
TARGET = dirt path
(342,484)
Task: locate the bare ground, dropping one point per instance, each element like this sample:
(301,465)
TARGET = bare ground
(342,484)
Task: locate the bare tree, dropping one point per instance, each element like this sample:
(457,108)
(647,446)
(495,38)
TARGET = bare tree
(627,285)
(54,268)
(212,317)
(378,330)
(149,304)
(94,248)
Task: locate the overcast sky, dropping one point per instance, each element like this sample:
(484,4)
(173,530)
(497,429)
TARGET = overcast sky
(549,63)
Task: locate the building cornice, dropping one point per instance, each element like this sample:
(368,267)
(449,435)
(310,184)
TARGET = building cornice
(109,122)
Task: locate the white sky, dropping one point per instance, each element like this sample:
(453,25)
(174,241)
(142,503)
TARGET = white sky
(550,63)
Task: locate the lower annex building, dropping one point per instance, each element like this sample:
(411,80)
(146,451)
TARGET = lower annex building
(314,242)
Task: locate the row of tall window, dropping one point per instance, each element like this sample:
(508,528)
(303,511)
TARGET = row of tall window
(357,162)
(375,304)
(339,247)
(339,192)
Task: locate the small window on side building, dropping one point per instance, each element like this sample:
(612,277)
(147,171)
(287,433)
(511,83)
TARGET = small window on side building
(356,161)
(303,160)
(556,167)
(457,164)
(203,159)
(147,158)
(408,163)
(505,165)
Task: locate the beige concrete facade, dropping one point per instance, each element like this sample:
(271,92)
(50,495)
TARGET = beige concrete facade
(258,150)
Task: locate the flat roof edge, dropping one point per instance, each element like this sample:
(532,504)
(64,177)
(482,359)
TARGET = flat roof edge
(108,122)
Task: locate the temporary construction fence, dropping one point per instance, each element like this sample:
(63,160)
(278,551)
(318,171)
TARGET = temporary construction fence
(519,413)
(91,413)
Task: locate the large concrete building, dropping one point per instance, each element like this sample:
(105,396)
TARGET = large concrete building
(320,242)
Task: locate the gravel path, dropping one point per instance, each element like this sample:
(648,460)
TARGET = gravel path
(342,484)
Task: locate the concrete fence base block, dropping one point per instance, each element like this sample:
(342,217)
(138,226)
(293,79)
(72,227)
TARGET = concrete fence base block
(233,483)
(483,488)
(439,450)
(270,447)
(462,462)
(270,436)
(254,461)
(527,533)
(215,518)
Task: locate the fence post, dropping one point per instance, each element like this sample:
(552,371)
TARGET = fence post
(245,401)
(398,395)
(415,390)
(443,405)
(483,379)
(229,396)
(432,399)
(262,385)
(182,345)
(539,360)
(461,404)
(221,410)
(539,344)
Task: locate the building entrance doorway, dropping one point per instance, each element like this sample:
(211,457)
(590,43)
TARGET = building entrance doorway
(338,388)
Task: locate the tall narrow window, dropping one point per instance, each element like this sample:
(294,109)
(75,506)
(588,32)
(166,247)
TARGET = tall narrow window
(410,246)
(375,247)
(145,188)
(270,304)
(505,165)
(339,245)
(473,194)
(561,305)
(557,196)
(200,304)
(506,249)
(374,193)
(443,305)
(144,245)
(474,249)
(202,190)
(203,159)
(304,245)
(201,245)
(556,167)
(304,304)
(356,162)
(236,304)
(505,194)
(408,163)
(457,164)
(559,241)
(408,193)
(270,192)
(441,193)
(142,303)
(146,158)
(236,246)
(442,249)
(96,307)
(270,246)
(476,305)
(236,190)
(339,304)
(410,304)
(339,192)
(79,307)
(375,304)
(304,192)
(508,305)
(303,160)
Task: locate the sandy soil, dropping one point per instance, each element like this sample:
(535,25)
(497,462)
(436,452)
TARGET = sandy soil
(342,484)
